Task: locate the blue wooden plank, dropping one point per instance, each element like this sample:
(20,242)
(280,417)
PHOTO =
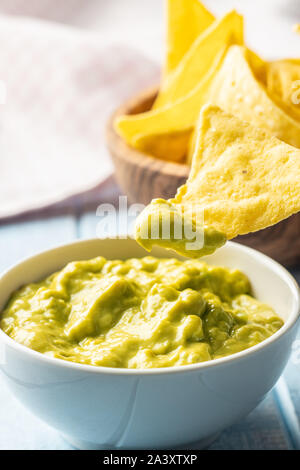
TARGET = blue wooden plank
(289,394)
(92,225)
(288,399)
(287,390)
(87,225)
(262,429)
(296,273)
(21,430)
(22,239)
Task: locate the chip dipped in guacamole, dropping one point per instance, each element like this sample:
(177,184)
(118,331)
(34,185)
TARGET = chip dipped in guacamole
(242,179)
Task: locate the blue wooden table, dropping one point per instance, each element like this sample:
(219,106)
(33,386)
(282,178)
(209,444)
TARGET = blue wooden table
(273,425)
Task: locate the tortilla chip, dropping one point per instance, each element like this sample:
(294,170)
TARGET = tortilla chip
(236,90)
(283,84)
(153,130)
(200,58)
(242,177)
(169,147)
(186,20)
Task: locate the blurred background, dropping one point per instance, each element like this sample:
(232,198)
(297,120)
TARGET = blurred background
(67,65)
(139,23)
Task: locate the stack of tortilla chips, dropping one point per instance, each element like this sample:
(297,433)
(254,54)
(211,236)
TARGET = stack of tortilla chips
(207,61)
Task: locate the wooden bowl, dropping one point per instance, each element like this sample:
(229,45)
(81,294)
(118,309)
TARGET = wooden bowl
(143,177)
(140,176)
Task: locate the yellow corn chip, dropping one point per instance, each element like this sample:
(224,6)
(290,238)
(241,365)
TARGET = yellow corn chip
(170,147)
(152,131)
(242,180)
(283,84)
(236,90)
(200,57)
(259,69)
(186,19)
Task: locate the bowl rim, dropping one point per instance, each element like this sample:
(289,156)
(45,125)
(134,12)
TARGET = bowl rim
(293,318)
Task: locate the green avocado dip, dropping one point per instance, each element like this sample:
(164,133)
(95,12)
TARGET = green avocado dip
(165,224)
(139,313)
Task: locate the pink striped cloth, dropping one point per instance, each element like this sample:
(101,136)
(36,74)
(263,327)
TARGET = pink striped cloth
(58,86)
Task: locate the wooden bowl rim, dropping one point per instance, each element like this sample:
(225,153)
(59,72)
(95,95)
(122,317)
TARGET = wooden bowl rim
(133,155)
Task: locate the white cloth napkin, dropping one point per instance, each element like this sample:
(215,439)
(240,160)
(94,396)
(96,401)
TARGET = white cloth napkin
(61,85)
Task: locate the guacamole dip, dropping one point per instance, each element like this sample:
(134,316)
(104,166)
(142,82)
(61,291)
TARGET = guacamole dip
(166,224)
(139,313)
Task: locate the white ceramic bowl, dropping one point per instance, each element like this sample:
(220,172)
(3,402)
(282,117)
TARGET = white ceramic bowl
(105,408)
